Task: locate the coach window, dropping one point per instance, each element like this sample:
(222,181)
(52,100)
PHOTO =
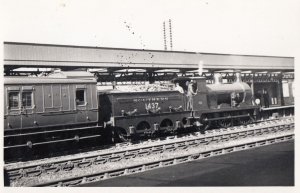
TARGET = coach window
(13,98)
(27,99)
(80,97)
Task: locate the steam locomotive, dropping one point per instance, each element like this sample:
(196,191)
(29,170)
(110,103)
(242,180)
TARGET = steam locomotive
(44,110)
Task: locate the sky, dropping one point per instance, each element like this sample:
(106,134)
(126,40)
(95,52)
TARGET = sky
(252,27)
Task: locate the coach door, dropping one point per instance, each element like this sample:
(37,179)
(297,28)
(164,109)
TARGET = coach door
(20,108)
(81,103)
(27,107)
(13,110)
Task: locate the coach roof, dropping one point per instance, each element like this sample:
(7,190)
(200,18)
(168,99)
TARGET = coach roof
(46,80)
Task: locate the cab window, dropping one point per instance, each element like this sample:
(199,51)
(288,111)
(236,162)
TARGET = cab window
(80,97)
(13,98)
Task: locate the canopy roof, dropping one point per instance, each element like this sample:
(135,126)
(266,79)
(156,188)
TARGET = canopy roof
(69,57)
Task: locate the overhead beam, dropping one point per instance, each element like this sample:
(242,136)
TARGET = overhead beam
(64,56)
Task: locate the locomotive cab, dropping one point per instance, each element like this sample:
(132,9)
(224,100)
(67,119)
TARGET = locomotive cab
(199,90)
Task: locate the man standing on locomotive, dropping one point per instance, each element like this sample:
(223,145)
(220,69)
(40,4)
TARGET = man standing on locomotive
(190,94)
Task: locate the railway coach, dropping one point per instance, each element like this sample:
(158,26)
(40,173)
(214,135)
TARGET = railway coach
(47,110)
(39,102)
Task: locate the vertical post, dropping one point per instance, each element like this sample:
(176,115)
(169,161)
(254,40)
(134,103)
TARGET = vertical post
(151,77)
(165,36)
(280,89)
(252,83)
(171,41)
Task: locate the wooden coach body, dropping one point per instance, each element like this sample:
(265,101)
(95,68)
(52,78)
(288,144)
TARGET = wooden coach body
(33,102)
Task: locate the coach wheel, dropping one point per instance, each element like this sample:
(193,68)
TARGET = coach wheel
(225,121)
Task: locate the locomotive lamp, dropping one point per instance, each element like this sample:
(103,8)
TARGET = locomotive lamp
(257,101)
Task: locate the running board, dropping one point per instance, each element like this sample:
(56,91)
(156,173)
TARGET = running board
(228,117)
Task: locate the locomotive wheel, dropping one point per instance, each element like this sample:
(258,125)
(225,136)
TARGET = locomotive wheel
(205,123)
(121,135)
(225,122)
(245,120)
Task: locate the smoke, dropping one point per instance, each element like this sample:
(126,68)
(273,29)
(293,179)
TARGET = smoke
(200,67)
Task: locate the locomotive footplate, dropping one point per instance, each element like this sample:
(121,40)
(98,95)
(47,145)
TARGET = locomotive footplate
(227,117)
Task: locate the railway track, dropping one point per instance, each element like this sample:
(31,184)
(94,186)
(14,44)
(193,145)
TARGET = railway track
(90,178)
(139,151)
(36,150)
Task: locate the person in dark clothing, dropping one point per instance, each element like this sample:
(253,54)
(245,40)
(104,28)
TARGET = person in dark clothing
(266,98)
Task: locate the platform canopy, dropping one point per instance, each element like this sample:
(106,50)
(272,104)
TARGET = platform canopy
(71,57)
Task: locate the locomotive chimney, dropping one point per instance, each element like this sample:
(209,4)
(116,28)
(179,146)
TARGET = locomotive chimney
(238,76)
(218,78)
